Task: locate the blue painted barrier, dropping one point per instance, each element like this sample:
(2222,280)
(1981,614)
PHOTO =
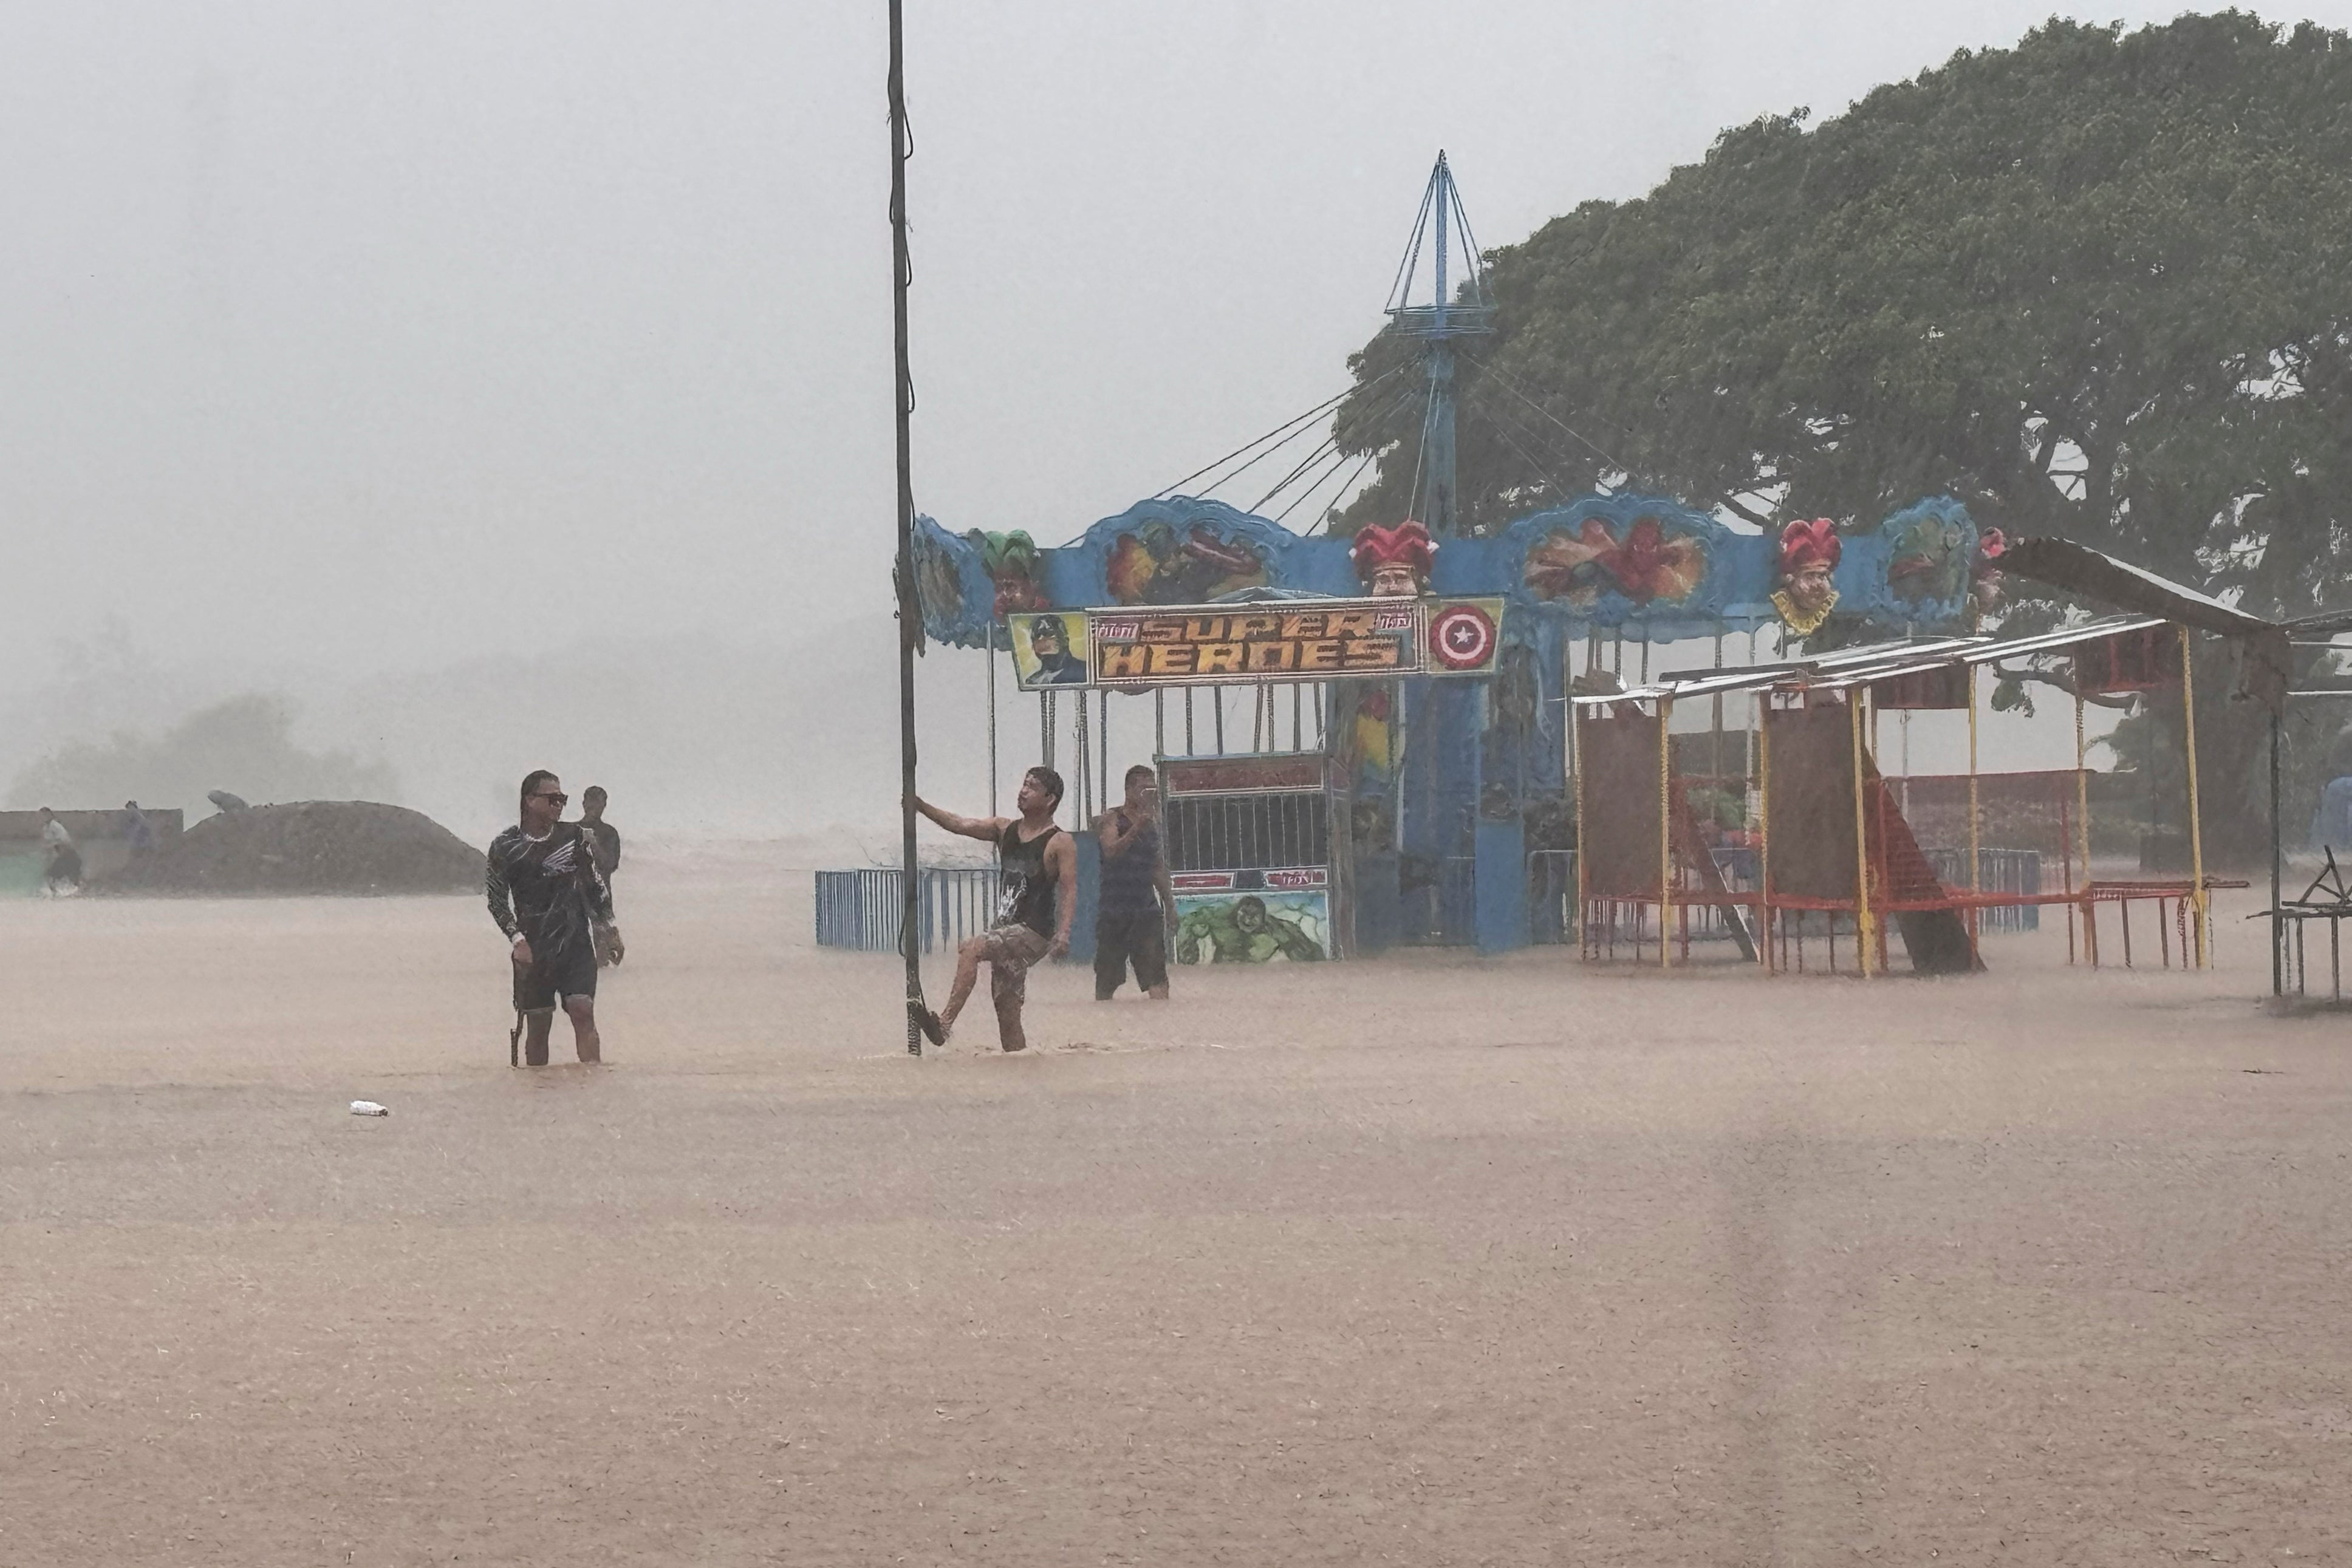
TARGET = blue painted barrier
(862,910)
(1999,870)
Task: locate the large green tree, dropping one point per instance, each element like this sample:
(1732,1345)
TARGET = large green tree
(2099,285)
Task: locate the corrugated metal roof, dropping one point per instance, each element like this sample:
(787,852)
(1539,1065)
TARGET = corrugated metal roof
(1850,667)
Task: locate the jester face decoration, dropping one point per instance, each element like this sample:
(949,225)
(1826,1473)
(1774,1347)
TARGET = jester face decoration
(1393,563)
(1809,558)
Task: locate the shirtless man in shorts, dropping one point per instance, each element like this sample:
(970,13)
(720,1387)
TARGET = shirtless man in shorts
(1037,891)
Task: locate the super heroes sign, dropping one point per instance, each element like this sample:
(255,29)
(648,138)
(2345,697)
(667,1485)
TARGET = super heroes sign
(1256,643)
(1276,641)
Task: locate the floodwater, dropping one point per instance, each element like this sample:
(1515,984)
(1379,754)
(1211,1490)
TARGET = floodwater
(1430,1260)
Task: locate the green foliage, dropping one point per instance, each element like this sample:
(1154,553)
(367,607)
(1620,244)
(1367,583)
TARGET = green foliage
(243,746)
(2099,285)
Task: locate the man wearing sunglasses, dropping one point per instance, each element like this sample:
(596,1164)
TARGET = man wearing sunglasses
(548,896)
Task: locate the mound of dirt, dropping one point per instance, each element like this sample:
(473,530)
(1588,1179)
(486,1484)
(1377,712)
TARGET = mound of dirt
(309,847)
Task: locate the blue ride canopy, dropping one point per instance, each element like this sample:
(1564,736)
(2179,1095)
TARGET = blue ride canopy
(1644,565)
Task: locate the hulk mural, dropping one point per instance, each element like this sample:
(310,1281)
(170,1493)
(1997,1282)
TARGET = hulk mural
(1253,928)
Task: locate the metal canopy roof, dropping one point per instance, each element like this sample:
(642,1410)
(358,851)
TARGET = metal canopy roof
(1851,667)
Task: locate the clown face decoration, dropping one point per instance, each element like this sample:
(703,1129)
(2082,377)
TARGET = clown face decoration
(1809,558)
(1393,563)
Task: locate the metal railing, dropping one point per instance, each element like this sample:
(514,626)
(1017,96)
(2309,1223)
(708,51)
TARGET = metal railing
(1551,896)
(1248,831)
(862,909)
(1999,871)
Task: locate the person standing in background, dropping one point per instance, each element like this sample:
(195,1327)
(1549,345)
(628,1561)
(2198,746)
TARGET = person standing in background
(138,830)
(1135,911)
(61,871)
(604,839)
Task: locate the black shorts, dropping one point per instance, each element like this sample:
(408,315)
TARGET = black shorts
(569,971)
(1140,939)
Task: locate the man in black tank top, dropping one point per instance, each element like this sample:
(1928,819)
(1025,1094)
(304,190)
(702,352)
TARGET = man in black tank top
(1037,892)
(1135,910)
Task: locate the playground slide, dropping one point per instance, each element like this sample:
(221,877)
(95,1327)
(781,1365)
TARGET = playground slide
(1937,939)
(1694,854)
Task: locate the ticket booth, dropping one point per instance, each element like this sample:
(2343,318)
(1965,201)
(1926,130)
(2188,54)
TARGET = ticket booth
(1251,854)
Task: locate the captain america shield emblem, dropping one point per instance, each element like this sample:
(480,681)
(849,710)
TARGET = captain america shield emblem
(1463,637)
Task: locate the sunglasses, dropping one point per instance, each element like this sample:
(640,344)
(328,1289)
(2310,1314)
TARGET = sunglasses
(558,796)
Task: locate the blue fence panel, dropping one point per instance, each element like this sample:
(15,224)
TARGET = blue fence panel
(1998,871)
(1551,896)
(863,910)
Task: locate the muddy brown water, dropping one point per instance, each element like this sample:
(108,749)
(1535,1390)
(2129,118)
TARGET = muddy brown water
(1431,1260)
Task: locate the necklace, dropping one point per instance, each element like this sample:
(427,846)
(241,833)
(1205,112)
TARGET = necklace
(1799,621)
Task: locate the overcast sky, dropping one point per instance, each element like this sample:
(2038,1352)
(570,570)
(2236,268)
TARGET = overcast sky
(371,336)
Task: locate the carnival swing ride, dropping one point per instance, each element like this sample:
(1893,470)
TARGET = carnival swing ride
(1469,761)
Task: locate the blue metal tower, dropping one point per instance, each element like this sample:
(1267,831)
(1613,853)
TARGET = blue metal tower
(1450,314)
(1460,876)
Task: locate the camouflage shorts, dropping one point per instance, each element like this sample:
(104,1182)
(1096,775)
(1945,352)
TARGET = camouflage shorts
(1011,949)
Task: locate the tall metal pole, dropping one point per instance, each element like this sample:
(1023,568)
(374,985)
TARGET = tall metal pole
(910,617)
(1439,512)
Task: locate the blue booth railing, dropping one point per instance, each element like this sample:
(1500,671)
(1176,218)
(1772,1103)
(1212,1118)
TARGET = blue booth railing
(1998,872)
(862,909)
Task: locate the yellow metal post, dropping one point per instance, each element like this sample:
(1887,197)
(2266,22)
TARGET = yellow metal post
(1583,909)
(2082,830)
(1864,927)
(1762,762)
(2197,913)
(1666,833)
(1976,854)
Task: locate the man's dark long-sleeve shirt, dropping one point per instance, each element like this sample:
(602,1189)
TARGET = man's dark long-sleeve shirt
(546,889)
